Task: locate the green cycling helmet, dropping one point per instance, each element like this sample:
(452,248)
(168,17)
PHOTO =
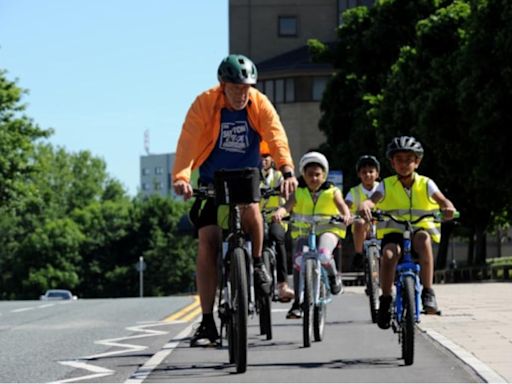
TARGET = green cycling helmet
(237,69)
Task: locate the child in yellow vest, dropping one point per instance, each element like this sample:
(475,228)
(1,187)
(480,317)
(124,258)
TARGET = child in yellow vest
(367,169)
(415,194)
(315,195)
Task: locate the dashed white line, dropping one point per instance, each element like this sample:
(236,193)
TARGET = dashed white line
(143,372)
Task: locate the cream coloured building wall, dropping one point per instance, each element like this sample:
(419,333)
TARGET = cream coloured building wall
(300,121)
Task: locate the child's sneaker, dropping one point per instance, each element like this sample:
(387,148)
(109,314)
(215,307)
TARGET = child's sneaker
(294,312)
(384,313)
(428,299)
(336,284)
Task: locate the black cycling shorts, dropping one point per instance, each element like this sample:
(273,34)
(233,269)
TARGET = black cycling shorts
(203,213)
(397,238)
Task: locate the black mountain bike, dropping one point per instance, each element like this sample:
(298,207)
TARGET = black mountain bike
(236,296)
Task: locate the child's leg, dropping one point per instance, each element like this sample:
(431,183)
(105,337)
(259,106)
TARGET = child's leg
(390,254)
(422,244)
(327,242)
(360,229)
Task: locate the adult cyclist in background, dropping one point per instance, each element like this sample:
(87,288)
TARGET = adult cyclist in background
(272,179)
(222,130)
(407,195)
(368,170)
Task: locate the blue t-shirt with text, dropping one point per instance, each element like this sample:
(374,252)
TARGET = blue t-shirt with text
(238,146)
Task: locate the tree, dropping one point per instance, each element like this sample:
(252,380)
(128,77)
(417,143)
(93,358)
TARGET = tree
(17,136)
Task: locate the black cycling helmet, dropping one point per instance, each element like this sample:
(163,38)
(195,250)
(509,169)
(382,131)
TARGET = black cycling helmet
(237,69)
(367,161)
(404,144)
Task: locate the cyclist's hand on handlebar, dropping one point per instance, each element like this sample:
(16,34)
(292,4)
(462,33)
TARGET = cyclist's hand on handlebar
(182,188)
(448,213)
(365,209)
(277,216)
(288,186)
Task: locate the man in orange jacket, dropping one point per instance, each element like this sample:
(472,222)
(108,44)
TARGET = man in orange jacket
(223,129)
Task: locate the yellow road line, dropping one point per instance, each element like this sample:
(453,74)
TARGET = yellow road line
(187,313)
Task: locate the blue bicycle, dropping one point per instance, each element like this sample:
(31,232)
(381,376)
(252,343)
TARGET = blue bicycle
(407,305)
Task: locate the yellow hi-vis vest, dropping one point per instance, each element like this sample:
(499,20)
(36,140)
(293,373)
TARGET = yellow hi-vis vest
(274,179)
(304,205)
(359,196)
(273,202)
(399,204)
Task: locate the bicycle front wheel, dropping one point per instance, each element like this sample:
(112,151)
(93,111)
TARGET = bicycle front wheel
(408,319)
(237,326)
(265,301)
(307,305)
(320,313)
(372,281)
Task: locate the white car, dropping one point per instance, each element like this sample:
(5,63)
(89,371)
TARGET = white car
(58,294)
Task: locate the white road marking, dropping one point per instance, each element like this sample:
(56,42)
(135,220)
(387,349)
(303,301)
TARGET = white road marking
(143,372)
(97,371)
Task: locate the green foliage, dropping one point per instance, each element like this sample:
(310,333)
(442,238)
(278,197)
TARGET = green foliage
(438,70)
(17,135)
(65,223)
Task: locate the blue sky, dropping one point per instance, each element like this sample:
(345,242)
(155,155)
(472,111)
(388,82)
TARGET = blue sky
(102,72)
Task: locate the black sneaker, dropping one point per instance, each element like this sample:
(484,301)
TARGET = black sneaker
(384,313)
(336,284)
(428,299)
(206,335)
(294,312)
(262,279)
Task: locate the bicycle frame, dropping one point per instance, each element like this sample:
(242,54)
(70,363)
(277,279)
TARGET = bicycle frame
(311,252)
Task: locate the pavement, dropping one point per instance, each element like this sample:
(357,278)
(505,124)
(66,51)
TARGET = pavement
(476,326)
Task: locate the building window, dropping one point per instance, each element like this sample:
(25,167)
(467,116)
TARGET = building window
(145,186)
(146,171)
(279,88)
(290,91)
(157,185)
(159,170)
(287,26)
(269,89)
(319,84)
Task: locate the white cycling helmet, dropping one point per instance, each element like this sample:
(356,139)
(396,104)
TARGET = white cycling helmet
(314,157)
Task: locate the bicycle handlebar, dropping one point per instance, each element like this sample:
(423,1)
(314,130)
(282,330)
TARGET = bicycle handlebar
(437,216)
(316,219)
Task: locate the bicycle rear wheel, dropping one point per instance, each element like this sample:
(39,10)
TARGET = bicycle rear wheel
(265,301)
(237,324)
(307,305)
(372,281)
(408,319)
(320,313)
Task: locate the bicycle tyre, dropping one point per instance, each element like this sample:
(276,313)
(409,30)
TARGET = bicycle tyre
(408,319)
(320,314)
(307,305)
(372,281)
(239,310)
(265,301)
